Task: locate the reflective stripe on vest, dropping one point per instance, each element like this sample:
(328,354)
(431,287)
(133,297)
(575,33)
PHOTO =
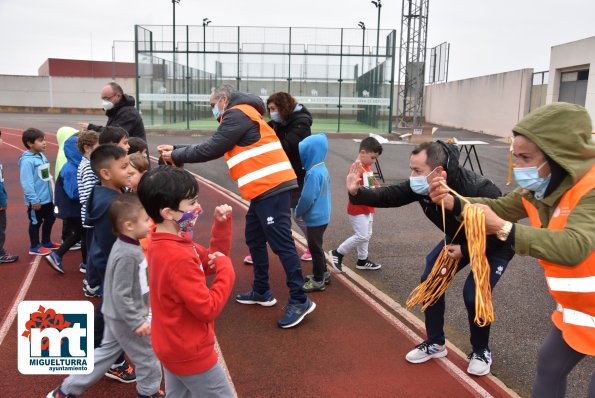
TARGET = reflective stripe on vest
(261,166)
(573,287)
(576,317)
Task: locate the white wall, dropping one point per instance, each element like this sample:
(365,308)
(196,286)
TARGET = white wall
(492,104)
(568,57)
(67,92)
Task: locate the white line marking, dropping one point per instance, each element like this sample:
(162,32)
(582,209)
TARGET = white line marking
(466,380)
(12,313)
(224,366)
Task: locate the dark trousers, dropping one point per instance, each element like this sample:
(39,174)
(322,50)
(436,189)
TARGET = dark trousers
(269,221)
(480,336)
(92,275)
(2,231)
(555,361)
(71,234)
(43,218)
(314,236)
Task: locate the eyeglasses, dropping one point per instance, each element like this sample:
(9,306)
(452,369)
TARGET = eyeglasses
(109,98)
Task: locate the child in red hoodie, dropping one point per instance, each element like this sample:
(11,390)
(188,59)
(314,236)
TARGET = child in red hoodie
(184,307)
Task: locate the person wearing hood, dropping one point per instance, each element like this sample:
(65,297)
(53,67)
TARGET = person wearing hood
(555,170)
(68,206)
(36,180)
(265,177)
(120,111)
(292,123)
(427,160)
(314,206)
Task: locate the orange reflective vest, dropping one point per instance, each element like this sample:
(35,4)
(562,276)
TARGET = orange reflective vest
(573,287)
(259,167)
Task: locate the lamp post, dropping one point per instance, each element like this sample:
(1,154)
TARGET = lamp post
(363,26)
(174,2)
(377,4)
(205,22)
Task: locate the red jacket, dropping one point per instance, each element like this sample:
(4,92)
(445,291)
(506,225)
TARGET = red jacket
(366,180)
(184,308)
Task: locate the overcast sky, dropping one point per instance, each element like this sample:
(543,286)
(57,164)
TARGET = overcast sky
(486,36)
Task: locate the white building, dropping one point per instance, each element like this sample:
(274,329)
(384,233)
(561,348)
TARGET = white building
(569,74)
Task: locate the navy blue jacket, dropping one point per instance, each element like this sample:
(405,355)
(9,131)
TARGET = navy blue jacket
(102,237)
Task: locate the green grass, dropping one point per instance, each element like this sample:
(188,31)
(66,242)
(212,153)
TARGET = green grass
(320,125)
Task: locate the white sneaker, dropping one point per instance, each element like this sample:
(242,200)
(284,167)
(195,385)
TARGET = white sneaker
(424,352)
(480,363)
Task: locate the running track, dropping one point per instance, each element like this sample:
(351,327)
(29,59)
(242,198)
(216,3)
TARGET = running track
(352,345)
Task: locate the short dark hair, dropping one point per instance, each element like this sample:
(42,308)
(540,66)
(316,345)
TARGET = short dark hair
(436,155)
(371,144)
(139,161)
(87,138)
(103,156)
(126,207)
(31,135)
(165,186)
(112,135)
(285,103)
(137,144)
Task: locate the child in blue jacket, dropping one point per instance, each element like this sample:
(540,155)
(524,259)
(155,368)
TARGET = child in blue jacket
(4,256)
(36,181)
(314,206)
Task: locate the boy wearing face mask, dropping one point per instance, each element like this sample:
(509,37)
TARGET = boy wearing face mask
(361,217)
(428,160)
(184,307)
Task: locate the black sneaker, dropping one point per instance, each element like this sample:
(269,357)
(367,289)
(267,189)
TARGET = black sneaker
(337,260)
(123,373)
(90,291)
(367,264)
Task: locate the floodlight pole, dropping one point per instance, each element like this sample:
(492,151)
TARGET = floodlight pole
(174,2)
(363,26)
(377,4)
(205,22)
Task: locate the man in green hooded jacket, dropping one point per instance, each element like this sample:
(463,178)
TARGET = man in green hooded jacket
(555,169)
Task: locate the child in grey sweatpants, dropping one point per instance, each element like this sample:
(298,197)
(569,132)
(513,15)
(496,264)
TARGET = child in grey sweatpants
(125,306)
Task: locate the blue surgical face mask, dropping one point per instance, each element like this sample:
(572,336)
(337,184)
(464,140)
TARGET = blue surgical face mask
(420,184)
(275,117)
(216,111)
(528,178)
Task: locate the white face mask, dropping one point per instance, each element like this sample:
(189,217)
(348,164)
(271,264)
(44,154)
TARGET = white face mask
(106,105)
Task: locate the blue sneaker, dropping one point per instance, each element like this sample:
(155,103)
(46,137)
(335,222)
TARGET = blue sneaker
(39,250)
(266,299)
(295,313)
(55,261)
(83,268)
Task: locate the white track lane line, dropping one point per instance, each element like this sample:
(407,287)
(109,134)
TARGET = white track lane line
(12,313)
(415,337)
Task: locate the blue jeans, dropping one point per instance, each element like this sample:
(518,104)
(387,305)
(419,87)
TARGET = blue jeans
(269,221)
(480,336)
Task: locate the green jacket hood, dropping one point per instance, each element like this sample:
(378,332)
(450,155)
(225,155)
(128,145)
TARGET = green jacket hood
(563,132)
